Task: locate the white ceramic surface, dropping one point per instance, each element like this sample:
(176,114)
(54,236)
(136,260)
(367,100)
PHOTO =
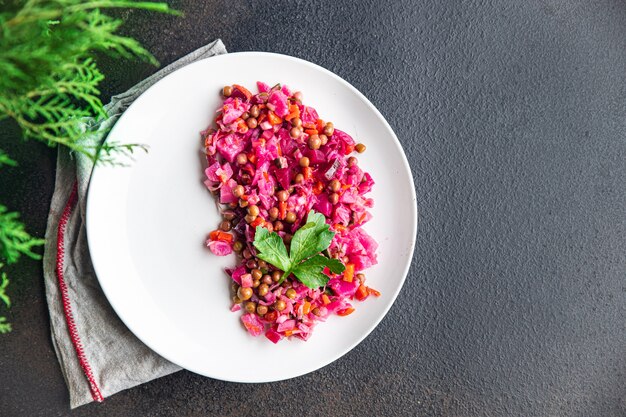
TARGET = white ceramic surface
(147,223)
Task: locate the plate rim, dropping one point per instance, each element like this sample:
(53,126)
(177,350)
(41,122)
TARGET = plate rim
(414,211)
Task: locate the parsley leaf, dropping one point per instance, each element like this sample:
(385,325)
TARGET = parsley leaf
(304,259)
(310,239)
(271,248)
(310,272)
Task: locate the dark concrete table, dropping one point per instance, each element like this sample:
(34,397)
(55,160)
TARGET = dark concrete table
(513,115)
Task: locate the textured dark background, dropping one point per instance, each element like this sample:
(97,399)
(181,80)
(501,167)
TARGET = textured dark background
(513,116)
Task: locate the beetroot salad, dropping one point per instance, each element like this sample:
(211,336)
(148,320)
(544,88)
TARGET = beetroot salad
(293,199)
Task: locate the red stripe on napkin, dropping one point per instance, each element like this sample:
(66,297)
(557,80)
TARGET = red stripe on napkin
(67,307)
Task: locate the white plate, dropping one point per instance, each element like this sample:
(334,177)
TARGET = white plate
(146,224)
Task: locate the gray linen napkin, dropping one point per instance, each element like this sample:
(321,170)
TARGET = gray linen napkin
(98,355)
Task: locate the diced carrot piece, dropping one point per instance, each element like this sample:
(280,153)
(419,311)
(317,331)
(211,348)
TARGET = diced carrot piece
(241,125)
(306,308)
(294,111)
(319,125)
(226,237)
(307,172)
(282,210)
(288,333)
(339,227)
(219,235)
(309,125)
(345,311)
(325,299)
(310,132)
(349,149)
(373,292)
(259,221)
(348,274)
(361,293)
(273,118)
(318,188)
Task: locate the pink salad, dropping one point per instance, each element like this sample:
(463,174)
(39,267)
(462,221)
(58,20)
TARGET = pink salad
(272,161)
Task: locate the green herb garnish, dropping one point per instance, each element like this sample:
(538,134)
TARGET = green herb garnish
(4,282)
(49,82)
(304,259)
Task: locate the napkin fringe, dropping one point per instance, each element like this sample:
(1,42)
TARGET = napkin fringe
(65,298)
